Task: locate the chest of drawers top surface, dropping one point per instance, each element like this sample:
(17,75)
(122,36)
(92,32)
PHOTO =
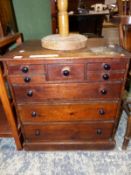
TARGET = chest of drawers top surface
(32,51)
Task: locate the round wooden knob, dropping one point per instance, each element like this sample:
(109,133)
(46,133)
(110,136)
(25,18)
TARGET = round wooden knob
(107,67)
(34,114)
(25,69)
(105,76)
(27,79)
(66,71)
(30,93)
(101,112)
(37,132)
(103,91)
(99,131)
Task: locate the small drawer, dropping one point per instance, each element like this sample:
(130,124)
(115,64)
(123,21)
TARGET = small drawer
(65,72)
(68,131)
(27,79)
(72,91)
(105,76)
(25,69)
(68,112)
(106,66)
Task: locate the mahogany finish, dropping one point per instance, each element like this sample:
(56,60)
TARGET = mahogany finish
(113,65)
(68,101)
(105,76)
(68,112)
(75,91)
(25,69)
(68,131)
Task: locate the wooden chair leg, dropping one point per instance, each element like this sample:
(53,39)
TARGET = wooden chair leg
(127,134)
(8,111)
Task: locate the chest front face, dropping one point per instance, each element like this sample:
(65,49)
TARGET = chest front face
(69,101)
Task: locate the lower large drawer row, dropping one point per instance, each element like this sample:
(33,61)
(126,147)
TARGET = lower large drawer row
(57,112)
(68,131)
(67,91)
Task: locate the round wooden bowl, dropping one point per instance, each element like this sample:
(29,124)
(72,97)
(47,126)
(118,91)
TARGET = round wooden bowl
(70,42)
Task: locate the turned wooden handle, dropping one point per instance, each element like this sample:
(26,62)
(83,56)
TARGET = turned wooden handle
(63,20)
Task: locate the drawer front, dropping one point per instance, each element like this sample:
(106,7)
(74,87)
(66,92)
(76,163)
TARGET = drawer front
(67,112)
(68,131)
(65,72)
(106,66)
(26,70)
(91,76)
(82,91)
(27,79)
(105,76)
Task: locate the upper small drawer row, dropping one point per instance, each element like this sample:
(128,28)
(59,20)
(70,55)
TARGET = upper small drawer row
(64,68)
(66,72)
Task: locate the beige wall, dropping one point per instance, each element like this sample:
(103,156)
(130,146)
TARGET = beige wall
(110,1)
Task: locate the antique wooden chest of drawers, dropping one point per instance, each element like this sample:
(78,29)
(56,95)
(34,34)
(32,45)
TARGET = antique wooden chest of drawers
(67,100)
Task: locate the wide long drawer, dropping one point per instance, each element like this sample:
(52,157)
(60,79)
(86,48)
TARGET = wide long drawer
(81,91)
(67,112)
(68,131)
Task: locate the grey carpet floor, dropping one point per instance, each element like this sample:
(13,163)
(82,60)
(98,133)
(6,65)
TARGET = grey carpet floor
(114,162)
